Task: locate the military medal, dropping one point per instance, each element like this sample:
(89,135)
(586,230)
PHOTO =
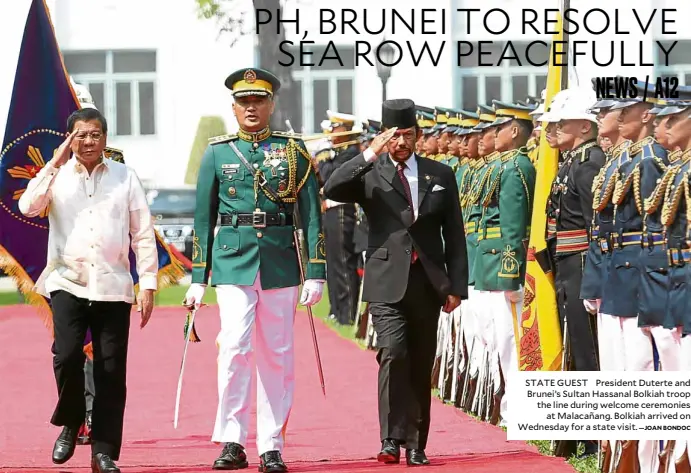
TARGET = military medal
(282,185)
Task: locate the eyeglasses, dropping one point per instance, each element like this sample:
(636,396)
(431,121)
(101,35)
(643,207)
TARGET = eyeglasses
(94,136)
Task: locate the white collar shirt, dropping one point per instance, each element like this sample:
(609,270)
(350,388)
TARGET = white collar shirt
(94,220)
(410,172)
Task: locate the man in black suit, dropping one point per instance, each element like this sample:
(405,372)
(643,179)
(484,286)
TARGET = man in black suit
(416,264)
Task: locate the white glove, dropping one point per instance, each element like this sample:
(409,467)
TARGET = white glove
(312,291)
(194,295)
(514,296)
(590,306)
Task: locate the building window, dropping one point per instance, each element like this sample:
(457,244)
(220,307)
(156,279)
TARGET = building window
(679,61)
(322,87)
(510,81)
(123,86)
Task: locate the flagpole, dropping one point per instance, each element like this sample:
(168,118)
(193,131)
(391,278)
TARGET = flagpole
(567,49)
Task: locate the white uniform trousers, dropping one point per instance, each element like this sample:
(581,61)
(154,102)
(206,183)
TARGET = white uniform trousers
(272,312)
(504,354)
(631,349)
(469,324)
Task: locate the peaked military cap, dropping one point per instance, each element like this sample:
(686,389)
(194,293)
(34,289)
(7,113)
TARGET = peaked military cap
(441,118)
(468,122)
(453,122)
(506,112)
(679,104)
(602,103)
(252,81)
(646,94)
(486,117)
(425,118)
(341,119)
(398,113)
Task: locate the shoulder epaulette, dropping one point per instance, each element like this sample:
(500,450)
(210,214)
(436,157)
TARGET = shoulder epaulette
(222,139)
(585,156)
(111,149)
(637,147)
(508,155)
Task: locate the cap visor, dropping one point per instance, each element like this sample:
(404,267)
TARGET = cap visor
(624,104)
(248,93)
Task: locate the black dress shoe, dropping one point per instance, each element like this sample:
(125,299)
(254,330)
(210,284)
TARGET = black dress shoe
(233,457)
(416,457)
(65,444)
(102,463)
(390,452)
(271,462)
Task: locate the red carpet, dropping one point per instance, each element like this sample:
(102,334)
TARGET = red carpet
(337,433)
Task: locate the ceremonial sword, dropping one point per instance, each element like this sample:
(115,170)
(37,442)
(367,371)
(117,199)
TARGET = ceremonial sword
(189,326)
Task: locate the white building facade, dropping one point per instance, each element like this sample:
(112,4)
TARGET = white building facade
(154,68)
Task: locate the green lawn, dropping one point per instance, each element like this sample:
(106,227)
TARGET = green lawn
(173,296)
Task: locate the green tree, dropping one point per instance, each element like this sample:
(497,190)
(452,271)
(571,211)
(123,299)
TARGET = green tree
(233,20)
(208,128)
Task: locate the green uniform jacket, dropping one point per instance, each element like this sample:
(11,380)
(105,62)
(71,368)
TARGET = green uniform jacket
(226,187)
(459,171)
(473,210)
(502,249)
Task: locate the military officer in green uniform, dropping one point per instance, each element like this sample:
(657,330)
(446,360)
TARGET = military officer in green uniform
(476,319)
(255,181)
(505,227)
(441,119)
(425,120)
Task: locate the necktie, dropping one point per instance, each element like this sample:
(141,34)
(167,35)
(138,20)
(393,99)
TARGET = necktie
(406,187)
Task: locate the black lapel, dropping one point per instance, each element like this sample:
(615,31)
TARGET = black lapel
(424,180)
(388,172)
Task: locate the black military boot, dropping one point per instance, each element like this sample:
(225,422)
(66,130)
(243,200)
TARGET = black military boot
(233,457)
(271,462)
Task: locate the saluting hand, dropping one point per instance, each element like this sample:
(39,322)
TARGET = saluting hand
(64,151)
(380,141)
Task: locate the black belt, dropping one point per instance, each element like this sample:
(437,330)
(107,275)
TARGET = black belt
(257,220)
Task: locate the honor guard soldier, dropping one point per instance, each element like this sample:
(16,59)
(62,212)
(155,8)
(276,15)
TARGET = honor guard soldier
(476,318)
(596,270)
(467,121)
(533,144)
(441,119)
(504,234)
(677,122)
(255,181)
(466,173)
(425,121)
(635,293)
(339,224)
(571,210)
(572,214)
(452,156)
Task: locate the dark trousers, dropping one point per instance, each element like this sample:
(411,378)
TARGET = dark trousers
(406,342)
(110,324)
(342,262)
(89,389)
(581,326)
